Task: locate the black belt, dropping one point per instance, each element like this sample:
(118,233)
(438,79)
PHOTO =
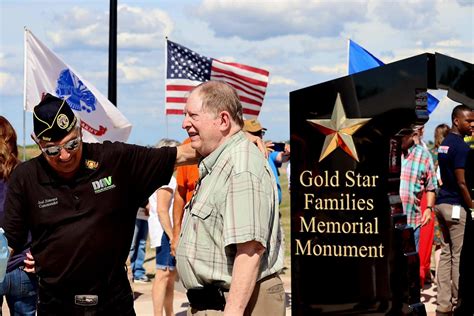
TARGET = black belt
(208,297)
(212,297)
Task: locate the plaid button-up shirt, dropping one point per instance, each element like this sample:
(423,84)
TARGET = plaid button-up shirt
(236,201)
(417,175)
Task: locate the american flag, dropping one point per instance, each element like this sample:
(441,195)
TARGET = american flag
(186,69)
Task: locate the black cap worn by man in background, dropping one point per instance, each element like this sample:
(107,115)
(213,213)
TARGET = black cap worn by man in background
(80,201)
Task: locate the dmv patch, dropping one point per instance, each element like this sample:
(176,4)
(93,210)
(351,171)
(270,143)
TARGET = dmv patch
(443,149)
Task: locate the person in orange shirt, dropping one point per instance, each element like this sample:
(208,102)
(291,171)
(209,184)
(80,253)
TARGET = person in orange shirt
(186,179)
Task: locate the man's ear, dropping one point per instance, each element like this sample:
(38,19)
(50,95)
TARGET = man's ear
(224,120)
(456,121)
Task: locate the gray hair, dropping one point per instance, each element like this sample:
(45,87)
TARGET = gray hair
(218,96)
(166,142)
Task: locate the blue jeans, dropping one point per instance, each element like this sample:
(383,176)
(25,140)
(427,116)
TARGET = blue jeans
(416,235)
(20,289)
(138,248)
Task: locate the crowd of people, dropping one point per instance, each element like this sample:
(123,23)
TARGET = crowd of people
(71,220)
(438,201)
(76,213)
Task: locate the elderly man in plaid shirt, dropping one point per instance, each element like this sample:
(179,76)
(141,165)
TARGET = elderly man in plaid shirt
(230,249)
(417,176)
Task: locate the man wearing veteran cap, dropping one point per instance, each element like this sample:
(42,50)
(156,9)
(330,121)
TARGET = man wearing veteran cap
(79,201)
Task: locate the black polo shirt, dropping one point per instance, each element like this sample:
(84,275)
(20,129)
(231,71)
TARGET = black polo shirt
(82,229)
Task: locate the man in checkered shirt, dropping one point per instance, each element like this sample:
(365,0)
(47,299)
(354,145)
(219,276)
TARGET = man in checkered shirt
(230,249)
(416,177)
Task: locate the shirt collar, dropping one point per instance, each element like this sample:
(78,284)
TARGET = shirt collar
(412,148)
(410,151)
(207,164)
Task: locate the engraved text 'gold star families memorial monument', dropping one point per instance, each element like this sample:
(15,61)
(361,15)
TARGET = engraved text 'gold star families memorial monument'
(339,131)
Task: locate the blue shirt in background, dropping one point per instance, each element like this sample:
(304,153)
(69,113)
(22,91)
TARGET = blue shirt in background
(274,164)
(452,155)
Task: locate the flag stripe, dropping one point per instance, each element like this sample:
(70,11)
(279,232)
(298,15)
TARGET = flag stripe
(242,85)
(245,91)
(251,112)
(235,75)
(176,100)
(174,87)
(250,106)
(186,69)
(174,111)
(249,68)
(181,112)
(239,71)
(248,100)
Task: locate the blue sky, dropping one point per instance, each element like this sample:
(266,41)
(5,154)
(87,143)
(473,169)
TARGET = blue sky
(301,43)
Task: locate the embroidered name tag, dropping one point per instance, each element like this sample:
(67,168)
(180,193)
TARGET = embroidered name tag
(48,202)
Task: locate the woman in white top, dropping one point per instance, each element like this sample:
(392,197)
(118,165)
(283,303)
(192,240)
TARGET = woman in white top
(160,228)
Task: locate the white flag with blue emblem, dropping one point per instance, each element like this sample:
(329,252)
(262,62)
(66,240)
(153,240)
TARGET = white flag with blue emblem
(46,73)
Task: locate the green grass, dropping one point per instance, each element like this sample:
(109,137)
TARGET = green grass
(30,150)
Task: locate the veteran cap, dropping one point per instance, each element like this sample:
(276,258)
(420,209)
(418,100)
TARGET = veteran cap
(253,126)
(53,119)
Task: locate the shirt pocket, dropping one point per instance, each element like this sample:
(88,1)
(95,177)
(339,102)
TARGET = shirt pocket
(202,225)
(202,210)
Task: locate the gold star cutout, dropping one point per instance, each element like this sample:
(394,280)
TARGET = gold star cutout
(338,131)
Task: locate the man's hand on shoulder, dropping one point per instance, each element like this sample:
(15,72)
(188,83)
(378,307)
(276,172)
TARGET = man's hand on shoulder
(186,155)
(257,141)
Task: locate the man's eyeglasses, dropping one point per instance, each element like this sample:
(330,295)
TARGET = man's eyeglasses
(71,145)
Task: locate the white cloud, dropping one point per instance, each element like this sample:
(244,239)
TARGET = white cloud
(138,28)
(3,58)
(257,20)
(227,59)
(9,84)
(132,71)
(140,20)
(279,80)
(411,14)
(450,43)
(337,70)
(465,3)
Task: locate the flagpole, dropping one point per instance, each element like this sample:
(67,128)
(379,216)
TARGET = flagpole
(347,55)
(24,93)
(112,91)
(166,69)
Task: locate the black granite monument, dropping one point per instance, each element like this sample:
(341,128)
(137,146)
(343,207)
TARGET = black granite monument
(352,253)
